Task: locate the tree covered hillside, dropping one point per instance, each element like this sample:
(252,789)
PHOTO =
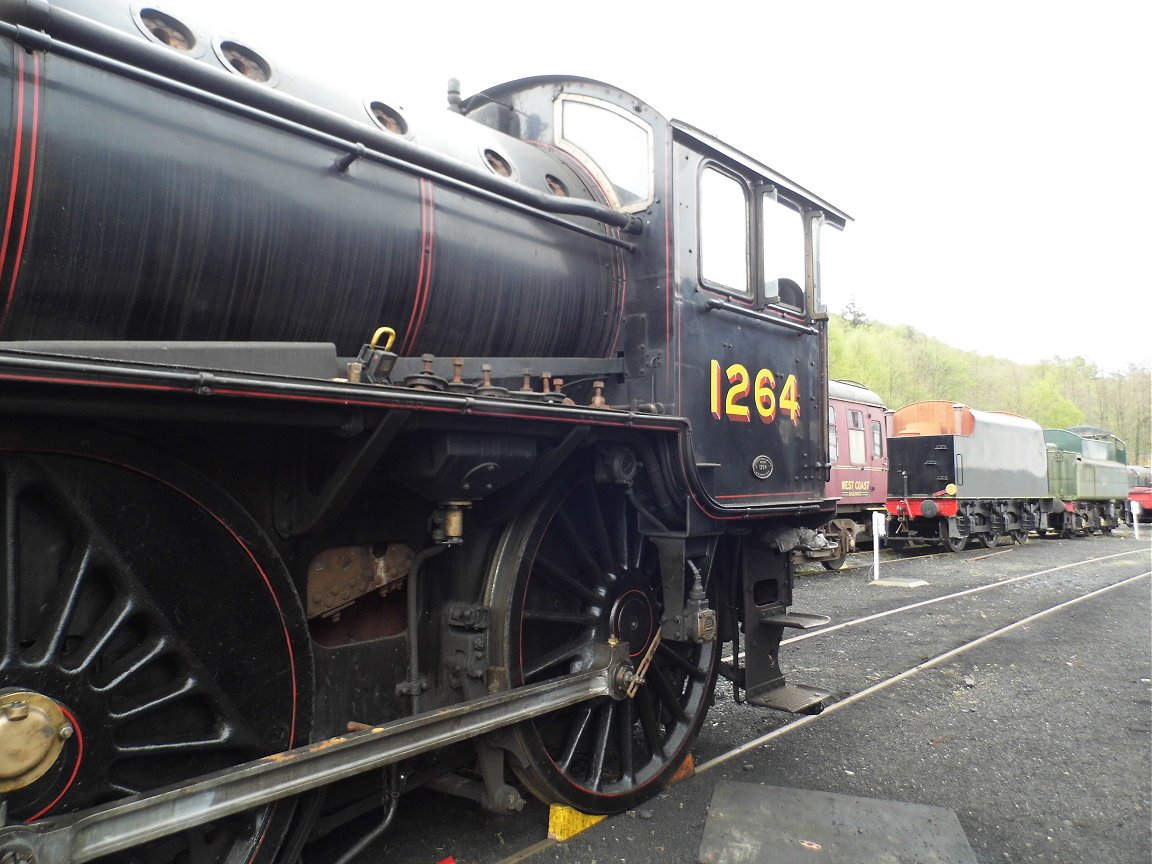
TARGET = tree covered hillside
(904,365)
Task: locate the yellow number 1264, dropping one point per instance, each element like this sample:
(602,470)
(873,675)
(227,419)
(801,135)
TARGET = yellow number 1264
(734,394)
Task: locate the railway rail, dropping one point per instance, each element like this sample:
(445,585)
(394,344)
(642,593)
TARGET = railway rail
(915,670)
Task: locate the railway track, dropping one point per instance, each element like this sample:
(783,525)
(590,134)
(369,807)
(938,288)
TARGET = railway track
(872,690)
(991,586)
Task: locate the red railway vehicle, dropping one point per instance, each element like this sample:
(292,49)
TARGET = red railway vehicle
(858,466)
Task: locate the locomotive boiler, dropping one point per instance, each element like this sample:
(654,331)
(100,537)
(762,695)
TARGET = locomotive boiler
(347,447)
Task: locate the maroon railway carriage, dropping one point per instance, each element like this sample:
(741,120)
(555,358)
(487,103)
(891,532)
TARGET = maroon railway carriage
(482,433)
(857,472)
(858,453)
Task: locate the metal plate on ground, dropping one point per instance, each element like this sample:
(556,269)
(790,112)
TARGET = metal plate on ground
(899,582)
(753,824)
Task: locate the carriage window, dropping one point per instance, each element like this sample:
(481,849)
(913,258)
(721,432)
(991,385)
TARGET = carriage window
(877,440)
(833,442)
(783,252)
(614,146)
(856,437)
(723,214)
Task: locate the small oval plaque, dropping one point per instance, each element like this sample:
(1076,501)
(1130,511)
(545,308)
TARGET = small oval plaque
(762,467)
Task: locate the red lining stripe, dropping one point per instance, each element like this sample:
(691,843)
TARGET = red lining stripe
(424,278)
(17,153)
(79,735)
(426,254)
(29,185)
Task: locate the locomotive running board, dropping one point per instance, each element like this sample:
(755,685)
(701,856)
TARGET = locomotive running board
(77,837)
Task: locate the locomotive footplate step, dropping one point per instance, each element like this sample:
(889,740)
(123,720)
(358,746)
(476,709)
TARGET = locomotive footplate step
(793,698)
(798,620)
(751,823)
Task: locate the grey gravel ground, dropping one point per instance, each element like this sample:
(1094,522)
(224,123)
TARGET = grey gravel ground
(1040,739)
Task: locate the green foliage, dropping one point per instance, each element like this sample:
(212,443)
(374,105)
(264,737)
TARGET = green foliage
(904,365)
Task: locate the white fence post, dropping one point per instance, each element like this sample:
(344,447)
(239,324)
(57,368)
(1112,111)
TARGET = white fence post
(877,535)
(1135,508)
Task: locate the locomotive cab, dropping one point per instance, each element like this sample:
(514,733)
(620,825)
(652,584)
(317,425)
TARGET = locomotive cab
(748,303)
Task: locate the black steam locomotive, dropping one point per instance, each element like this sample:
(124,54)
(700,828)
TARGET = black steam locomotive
(346,448)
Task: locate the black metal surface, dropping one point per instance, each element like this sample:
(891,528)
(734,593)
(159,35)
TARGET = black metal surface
(920,465)
(291,359)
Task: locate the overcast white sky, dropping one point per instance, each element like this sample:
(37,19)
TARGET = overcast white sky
(995,155)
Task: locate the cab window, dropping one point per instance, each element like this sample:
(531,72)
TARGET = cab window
(723,214)
(614,146)
(783,251)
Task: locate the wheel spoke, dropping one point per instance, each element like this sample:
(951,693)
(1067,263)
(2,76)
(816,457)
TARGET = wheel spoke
(554,657)
(578,547)
(625,718)
(560,579)
(631,541)
(576,731)
(547,615)
(181,690)
(601,546)
(132,663)
(669,655)
(55,623)
(600,747)
(648,721)
(178,748)
(105,630)
(665,692)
